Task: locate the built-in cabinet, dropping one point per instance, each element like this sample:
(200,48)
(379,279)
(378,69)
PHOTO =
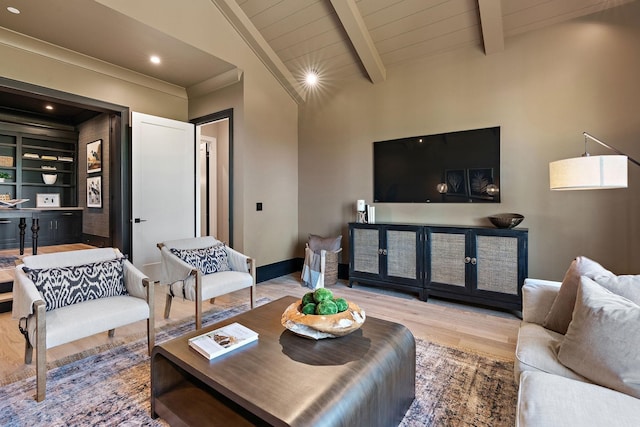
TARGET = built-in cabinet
(26,157)
(60,227)
(473,264)
(26,154)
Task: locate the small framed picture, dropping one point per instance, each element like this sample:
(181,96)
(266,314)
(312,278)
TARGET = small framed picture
(94,192)
(456,182)
(94,156)
(479,180)
(47,200)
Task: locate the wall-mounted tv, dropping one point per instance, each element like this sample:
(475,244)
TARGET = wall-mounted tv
(453,167)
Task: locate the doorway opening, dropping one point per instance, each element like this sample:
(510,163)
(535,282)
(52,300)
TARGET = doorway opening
(214,136)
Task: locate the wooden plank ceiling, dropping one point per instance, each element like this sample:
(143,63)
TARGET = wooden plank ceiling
(342,40)
(354,39)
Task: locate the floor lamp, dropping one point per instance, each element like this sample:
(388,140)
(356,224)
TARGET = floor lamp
(590,172)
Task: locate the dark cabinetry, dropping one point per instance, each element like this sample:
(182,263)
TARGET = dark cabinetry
(28,153)
(60,227)
(57,227)
(40,163)
(9,233)
(481,265)
(473,264)
(389,254)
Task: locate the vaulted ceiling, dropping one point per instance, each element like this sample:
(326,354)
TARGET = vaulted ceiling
(340,39)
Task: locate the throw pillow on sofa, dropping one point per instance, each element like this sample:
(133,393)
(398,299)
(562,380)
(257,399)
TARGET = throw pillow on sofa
(62,286)
(208,260)
(603,339)
(627,286)
(559,316)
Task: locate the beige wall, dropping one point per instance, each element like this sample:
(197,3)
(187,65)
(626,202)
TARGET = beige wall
(265,130)
(543,90)
(30,61)
(265,116)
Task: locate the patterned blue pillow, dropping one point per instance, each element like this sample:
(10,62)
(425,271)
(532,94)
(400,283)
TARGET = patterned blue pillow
(208,260)
(62,286)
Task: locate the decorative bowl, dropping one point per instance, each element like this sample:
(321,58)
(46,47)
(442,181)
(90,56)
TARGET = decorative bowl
(322,326)
(506,220)
(49,178)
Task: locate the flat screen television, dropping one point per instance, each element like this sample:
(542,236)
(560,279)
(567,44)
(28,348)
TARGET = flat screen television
(453,167)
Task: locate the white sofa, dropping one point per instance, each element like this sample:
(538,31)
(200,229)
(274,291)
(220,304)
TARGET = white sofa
(550,394)
(58,309)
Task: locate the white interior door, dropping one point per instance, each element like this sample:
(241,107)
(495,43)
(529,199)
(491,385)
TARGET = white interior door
(163,187)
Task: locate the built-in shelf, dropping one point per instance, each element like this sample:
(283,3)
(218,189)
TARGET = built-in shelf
(19,145)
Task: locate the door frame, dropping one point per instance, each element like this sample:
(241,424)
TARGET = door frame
(214,117)
(120,152)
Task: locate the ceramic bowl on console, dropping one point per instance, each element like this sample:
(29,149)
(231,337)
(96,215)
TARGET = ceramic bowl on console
(506,220)
(319,326)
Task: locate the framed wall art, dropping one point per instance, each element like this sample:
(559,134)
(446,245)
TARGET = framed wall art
(456,182)
(94,192)
(479,180)
(48,200)
(94,156)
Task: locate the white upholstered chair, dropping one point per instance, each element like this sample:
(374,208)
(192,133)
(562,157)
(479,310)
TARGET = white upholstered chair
(203,268)
(66,296)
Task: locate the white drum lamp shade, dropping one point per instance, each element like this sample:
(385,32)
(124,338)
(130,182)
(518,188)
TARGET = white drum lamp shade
(588,173)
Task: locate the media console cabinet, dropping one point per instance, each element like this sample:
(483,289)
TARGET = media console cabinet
(480,265)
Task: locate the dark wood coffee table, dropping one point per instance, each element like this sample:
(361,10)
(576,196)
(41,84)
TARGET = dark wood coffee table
(366,378)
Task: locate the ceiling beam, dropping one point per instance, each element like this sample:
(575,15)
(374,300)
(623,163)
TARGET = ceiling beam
(241,22)
(361,40)
(492,28)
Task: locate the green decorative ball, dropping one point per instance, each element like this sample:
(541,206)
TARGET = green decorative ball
(326,307)
(309,308)
(322,294)
(342,304)
(307,298)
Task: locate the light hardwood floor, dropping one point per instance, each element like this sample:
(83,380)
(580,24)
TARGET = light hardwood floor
(485,331)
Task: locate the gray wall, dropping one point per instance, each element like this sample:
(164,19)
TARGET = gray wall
(544,90)
(95,221)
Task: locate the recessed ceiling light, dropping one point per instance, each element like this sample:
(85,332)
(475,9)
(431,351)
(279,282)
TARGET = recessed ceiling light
(311,78)
(13,10)
(155,59)
(49,107)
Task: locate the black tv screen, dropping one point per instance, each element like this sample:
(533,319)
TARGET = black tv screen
(454,167)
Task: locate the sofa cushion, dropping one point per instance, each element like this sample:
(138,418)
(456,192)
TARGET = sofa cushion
(537,350)
(603,339)
(213,285)
(77,321)
(208,260)
(559,316)
(552,400)
(63,286)
(330,244)
(627,286)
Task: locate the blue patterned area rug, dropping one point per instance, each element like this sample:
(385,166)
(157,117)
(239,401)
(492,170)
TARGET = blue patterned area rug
(453,388)
(7,262)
